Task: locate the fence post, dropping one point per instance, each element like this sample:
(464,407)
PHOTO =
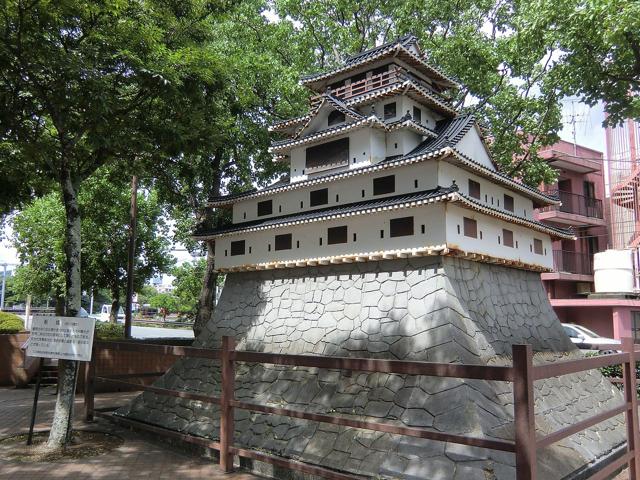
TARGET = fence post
(630,396)
(226,410)
(523,407)
(89,386)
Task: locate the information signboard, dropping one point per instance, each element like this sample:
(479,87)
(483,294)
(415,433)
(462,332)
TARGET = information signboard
(65,338)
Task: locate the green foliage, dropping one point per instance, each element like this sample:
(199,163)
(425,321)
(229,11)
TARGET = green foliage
(165,301)
(598,50)
(38,236)
(515,59)
(188,283)
(109,331)
(10,323)
(104,202)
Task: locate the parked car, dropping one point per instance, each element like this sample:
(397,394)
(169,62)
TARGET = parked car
(106,312)
(586,339)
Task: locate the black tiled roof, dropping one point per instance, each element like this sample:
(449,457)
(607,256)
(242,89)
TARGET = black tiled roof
(449,132)
(353,61)
(336,210)
(406,41)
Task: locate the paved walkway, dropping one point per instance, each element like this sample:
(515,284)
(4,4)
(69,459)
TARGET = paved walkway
(138,457)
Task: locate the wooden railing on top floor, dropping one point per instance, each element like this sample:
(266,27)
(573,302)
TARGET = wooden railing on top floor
(522,374)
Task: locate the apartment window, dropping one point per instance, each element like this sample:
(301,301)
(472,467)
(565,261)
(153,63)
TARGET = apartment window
(417,115)
(635,321)
(508,237)
(422,229)
(401,227)
(335,117)
(474,189)
(508,203)
(265,208)
(336,235)
(389,110)
(237,248)
(319,197)
(415,184)
(328,153)
(537,246)
(383,185)
(470,227)
(283,242)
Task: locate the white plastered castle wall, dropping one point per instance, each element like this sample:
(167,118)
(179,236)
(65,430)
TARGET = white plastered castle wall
(472,146)
(491,194)
(342,192)
(490,241)
(306,237)
(444,223)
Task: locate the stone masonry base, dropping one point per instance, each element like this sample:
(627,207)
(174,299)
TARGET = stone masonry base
(433,309)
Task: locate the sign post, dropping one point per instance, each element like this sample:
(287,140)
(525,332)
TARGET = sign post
(66,338)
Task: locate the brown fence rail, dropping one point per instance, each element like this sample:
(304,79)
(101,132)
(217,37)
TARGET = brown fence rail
(522,374)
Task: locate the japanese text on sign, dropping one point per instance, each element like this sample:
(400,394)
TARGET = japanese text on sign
(67,338)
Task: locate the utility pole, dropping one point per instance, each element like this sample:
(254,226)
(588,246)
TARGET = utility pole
(4,283)
(133,213)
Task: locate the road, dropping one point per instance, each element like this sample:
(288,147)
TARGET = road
(153,332)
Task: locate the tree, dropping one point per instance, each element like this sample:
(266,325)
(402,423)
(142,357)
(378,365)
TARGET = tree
(105,232)
(597,45)
(234,123)
(188,285)
(38,236)
(165,303)
(79,84)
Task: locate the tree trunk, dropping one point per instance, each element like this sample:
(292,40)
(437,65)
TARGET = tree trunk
(59,307)
(115,305)
(207,300)
(63,413)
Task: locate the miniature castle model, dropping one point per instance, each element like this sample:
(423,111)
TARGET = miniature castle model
(383,167)
(394,236)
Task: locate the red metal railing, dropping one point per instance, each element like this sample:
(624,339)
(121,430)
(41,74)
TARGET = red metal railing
(522,373)
(366,85)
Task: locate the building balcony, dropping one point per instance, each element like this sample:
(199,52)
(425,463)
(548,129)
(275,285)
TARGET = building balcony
(568,265)
(573,163)
(372,83)
(576,210)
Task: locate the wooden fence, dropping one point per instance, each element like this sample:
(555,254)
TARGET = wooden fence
(522,374)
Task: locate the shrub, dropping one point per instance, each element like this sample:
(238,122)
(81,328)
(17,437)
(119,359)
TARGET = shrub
(10,323)
(109,331)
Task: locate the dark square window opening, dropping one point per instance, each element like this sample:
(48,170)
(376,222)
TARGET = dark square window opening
(508,237)
(265,208)
(319,197)
(474,189)
(389,110)
(537,246)
(237,248)
(508,203)
(470,228)
(336,235)
(401,227)
(417,115)
(384,185)
(283,242)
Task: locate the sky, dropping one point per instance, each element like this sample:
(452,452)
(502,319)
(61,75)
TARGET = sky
(585,120)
